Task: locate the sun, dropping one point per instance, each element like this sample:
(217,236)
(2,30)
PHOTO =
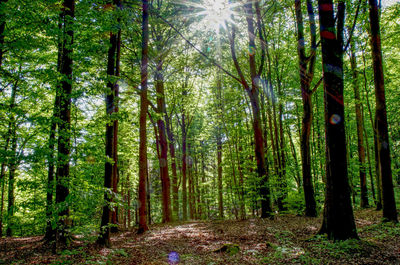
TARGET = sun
(215,14)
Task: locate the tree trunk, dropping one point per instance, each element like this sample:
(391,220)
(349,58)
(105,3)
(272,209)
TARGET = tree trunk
(388,200)
(2,28)
(360,128)
(64,136)
(12,166)
(163,160)
(6,161)
(143,117)
(219,148)
(110,174)
(184,168)
(306,71)
(175,188)
(338,222)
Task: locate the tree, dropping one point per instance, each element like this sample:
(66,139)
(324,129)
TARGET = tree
(64,136)
(111,164)
(306,71)
(252,91)
(388,200)
(338,222)
(360,127)
(143,117)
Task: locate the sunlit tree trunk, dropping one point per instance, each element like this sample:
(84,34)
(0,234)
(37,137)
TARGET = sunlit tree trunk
(388,200)
(143,118)
(252,91)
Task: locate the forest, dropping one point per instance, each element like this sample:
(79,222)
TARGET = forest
(199,132)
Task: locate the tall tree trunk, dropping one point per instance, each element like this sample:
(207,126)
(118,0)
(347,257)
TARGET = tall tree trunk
(338,222)
(6,161)
(50,233)
(12,166)
(253,94)
(64,136)
(219,147)
(306,71)
(143,117)
(184,168)
(163,161)
(388,200)
(2,28)
(360,128)
(175,188)
(110,174)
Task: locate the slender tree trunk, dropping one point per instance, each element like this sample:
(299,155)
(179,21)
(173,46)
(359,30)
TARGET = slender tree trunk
(219,148)
(64,136)
(175,189)
(110,174)
(143,117)
(12,166)
(360,128)
(163,161)
(338,222)
(306,71)
(184,169)
(388,200)
(6,160)
(2,28)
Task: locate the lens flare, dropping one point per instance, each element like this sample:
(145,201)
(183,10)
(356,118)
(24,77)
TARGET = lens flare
(335,119)
(173,258)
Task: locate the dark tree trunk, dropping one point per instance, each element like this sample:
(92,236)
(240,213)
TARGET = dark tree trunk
(338,222)
(163,160)
(306,71)
(184,168)
(64,137)
(12,166)
(388,200)
(175,188)
(360,128)
(2,28)
(50,233)
(6,161)
(143,117)
(110,172)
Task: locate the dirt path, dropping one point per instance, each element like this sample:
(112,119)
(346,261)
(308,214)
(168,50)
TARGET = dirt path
(285,240)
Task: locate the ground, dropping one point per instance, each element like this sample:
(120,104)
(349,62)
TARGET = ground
(287,239)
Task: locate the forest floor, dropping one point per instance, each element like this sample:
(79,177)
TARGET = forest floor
(287,239)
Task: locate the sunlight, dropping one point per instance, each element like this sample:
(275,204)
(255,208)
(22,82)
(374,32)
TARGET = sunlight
(216,13)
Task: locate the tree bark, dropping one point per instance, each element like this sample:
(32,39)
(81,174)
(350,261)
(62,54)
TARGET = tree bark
(64,137)
(143,117)
(184,169)
(110,174)
(306,71)
(388,200)
(338,222)
(360,128)
(163,161)
(2,28)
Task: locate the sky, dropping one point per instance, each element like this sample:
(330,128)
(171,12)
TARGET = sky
(389,2)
